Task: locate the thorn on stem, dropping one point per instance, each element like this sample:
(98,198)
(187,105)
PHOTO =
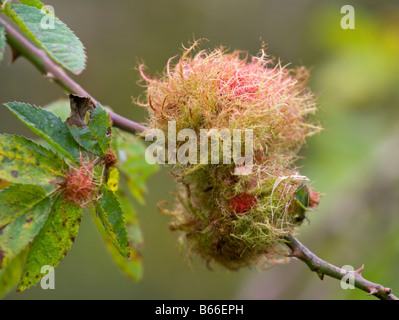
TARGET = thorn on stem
(321,275)
(14,55)
(297,253)
(372,291)
(360,270)
(49,75)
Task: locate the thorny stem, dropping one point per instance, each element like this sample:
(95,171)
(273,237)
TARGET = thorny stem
(52,71)
(323,268)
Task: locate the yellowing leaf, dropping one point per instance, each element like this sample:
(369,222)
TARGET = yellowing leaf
(24,161)
(52,243)
(23,211)
(113,179)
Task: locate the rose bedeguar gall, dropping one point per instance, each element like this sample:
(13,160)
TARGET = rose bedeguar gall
(224,217)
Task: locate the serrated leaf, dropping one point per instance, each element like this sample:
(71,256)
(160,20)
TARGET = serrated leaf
(48,126)
(2,42)
(53,241)
(111,216)
(10,275)
(51,34)
(24,161)
(84,137)
(33,3)
(132,267)
(100,126)
(131,221)
(23,211)
(132,163)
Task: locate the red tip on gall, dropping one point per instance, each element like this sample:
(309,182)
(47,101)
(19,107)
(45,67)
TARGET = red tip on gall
(242,203)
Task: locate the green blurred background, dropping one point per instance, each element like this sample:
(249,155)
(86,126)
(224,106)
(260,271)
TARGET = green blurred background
(354,161)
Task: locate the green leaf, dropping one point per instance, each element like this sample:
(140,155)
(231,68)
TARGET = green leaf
(23,211)
(33,3)
(131,221)
(111,216)
(96,137)
(10,275)
(84,137)
(53,241)
(2,41)
(24,161)
(302,200)
(48,126)
(18,199)
(133,266)
(302,195)
(132,164)
(55,38)
(100,126)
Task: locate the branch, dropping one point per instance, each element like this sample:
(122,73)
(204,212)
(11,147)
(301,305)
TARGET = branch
(52,71)
(322,268)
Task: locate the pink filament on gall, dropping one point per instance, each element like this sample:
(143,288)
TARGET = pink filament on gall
(80,185)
